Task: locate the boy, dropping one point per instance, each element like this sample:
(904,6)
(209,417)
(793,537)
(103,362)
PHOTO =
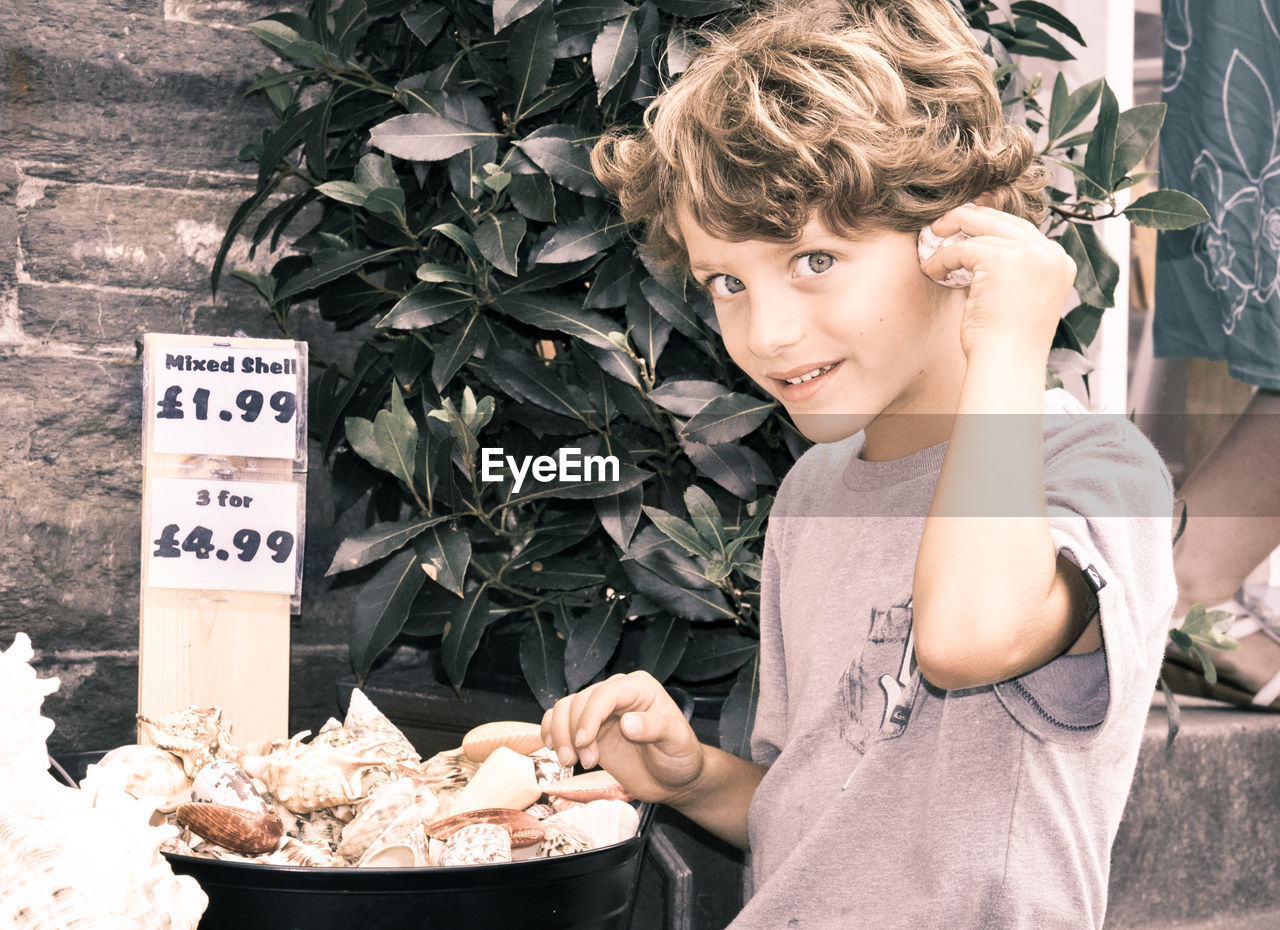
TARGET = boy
(959,634)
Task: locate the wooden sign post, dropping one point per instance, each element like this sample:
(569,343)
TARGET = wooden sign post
(223,512)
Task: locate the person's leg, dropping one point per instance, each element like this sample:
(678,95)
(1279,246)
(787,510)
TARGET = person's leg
(1233,508)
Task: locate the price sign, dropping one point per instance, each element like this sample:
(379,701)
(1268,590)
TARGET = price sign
(227,400)
(224,535)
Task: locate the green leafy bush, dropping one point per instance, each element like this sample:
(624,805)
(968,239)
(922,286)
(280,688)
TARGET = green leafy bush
(443,149)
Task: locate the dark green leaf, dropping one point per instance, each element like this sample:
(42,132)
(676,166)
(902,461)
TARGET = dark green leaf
(675,311)
(662,645)
(577,241)
(726,464)
(462,633)
(429,612)
(1074,107)
(629,476)
(381,609)
(425,21)
(612,280)
(557,575)
(425,307)
(560,315)
(1049,16)
(431,273)
(620,514)
(1166,209)
(237,221)
(531,54)
(498,238)
(286,40)
(691,603)
(679,531)
(542,661)
(695,9)
(1100,158)
(426,137)
(582,12)
(1096,272)
(332,268)
(705,516)
(390,441)
(534,196)
(344,192)
(377,541)
(592,644)
(613,53)
(563,152)
(506,12)
(727,417)
(737,716)
(1084,321)
(1136,131)
(460,346)
(714,654)
(686,398)
(528,379)
(445,554)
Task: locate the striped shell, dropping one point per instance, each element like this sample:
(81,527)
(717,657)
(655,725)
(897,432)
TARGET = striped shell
(516,735)
(250,832)
(477,843)
(596,785)
(525,829)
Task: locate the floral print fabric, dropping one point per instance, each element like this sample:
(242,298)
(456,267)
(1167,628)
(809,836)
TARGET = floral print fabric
(1218,284)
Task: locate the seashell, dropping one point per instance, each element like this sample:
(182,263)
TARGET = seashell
(224,782)
(195,734)
(143,772)
(589,786)
(547,767)
(559,842)
(540,810)
(928,242)
(525,829)
(367,731)
(504,779)
(406,852)
(390,813)
(477,843)
(237,829)
(597,823)
(516,735)
(319,828)
(296,852)
(447,771)
(24,759)
(308,778)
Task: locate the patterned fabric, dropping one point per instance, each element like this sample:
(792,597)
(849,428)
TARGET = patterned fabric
(1218,284)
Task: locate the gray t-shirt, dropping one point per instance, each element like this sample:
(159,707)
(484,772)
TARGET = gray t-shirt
(991,807)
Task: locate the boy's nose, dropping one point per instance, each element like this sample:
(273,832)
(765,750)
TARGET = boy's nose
(774,326)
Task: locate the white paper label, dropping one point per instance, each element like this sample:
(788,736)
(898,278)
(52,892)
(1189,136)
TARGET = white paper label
(224,535)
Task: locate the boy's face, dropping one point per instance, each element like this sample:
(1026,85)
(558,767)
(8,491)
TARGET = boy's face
(842,331)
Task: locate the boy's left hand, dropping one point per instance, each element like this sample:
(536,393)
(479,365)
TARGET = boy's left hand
(1021,278)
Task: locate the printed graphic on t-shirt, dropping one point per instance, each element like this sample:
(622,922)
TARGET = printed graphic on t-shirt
(879,687)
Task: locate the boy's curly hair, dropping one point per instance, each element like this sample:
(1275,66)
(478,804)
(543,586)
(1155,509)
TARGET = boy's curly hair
(866,113)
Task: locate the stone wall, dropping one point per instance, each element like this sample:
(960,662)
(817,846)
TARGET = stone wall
(120,126)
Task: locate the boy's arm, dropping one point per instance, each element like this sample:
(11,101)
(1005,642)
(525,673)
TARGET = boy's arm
(631,727)
(993,599)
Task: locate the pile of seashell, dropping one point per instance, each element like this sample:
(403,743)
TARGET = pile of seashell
(69,857)
(358,794)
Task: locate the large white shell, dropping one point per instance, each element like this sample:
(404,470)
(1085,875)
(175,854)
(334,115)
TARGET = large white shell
(505,779)
(143,772)
(405,852)
(597,823)
(306,778)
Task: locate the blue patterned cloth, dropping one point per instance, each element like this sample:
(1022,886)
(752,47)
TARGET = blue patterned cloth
(1218,284)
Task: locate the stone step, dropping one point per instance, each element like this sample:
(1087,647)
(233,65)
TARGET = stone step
(1199,845)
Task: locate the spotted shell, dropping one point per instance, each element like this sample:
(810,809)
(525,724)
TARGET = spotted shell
(517,735)
(477,843)
(224,782)
(251,832)
(589,786)
(525,829)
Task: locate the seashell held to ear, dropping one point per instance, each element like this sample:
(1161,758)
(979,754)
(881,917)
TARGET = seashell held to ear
(516,735)
(506,779)
(237,829)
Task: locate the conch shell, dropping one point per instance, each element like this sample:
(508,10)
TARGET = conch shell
(307,778)
(237,829)
(195,734)
(143,772)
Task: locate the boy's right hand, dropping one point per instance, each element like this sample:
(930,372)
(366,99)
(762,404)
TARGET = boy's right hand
(631,727)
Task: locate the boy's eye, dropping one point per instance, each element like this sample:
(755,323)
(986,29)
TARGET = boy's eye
(724,285)
(813,263)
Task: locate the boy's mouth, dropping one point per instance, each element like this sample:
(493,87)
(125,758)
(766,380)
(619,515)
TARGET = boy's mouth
(810,375)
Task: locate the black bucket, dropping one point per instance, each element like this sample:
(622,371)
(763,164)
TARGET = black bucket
(592,890)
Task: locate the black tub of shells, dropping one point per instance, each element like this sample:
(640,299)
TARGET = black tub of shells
(591,890)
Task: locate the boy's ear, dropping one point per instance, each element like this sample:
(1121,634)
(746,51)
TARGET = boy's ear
(985,199)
